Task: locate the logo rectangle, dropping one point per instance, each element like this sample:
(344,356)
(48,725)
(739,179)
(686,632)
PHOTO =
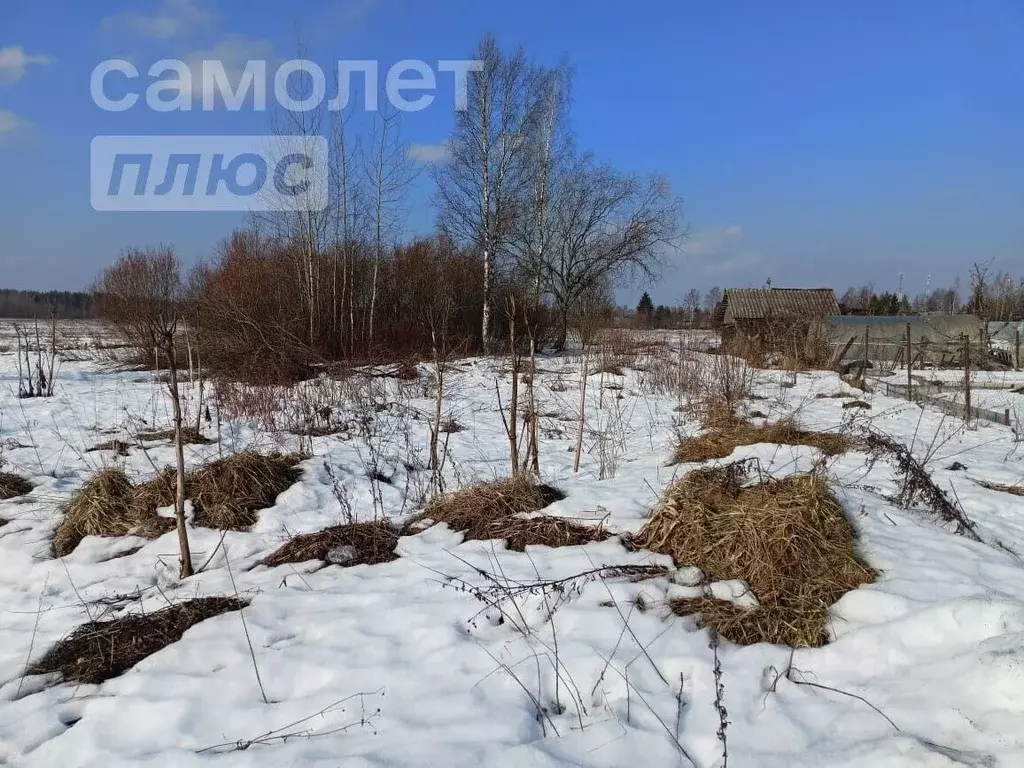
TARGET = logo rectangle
(209,173)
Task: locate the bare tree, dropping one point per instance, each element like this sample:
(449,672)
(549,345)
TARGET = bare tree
(980,290)
(299,218)
(388,171)
(549,145)
(604,224)
(692,303)
(482,180)
(345,217)
(141,295)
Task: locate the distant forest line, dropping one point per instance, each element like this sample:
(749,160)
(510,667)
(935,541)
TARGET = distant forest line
(24,305)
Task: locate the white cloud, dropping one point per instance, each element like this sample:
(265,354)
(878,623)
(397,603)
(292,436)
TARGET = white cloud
(14,62)
(11,124)
(173,18)
(714,241)
(741,262)
(429,153)
(349,16)
(232,52)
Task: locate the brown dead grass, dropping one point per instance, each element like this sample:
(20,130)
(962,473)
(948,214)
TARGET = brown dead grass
(374,543)
(12,485)
(189,436)
(788,539)
(227,493)
(111,505)
(609,369)
(493,511)
(726,434)
(119,447)
(1015,490)
(161,490)
(404,371)
(100,650)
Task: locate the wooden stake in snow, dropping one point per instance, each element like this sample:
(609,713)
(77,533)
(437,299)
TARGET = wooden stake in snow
(583,413)
(910,366)
(967,379)
(511,426)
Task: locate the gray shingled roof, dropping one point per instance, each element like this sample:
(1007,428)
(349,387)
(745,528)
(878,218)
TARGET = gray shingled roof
(765,303)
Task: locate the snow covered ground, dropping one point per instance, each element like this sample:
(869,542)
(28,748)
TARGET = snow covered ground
(926,667)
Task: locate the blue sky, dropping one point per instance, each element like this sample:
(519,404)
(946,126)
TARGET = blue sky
(815,143)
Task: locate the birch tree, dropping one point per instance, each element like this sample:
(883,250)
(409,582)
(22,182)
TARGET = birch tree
(345,217)
(480,184)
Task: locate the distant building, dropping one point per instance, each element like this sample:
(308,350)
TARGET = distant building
(773,318)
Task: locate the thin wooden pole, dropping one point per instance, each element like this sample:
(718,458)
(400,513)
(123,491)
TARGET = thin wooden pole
(967,379)
(583,414)
(909,357)
(864,369)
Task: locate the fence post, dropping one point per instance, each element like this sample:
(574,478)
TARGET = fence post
(864,370)
(967,379)
(1016,346)
(908,356)
(1006,417)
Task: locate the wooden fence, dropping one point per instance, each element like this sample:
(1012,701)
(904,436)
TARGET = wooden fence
(926,394)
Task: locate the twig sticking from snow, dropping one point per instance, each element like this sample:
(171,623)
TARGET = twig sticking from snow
(787,673)
(245,628)
(286,732)
(723,713)
(35,629)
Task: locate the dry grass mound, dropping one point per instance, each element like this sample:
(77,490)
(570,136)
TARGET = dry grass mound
(189,436)
(12,485)
(228,493)
(100,650)
(111,505)
(160,491)
(725,435)
(493,511)
(373,543)
(787,538)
